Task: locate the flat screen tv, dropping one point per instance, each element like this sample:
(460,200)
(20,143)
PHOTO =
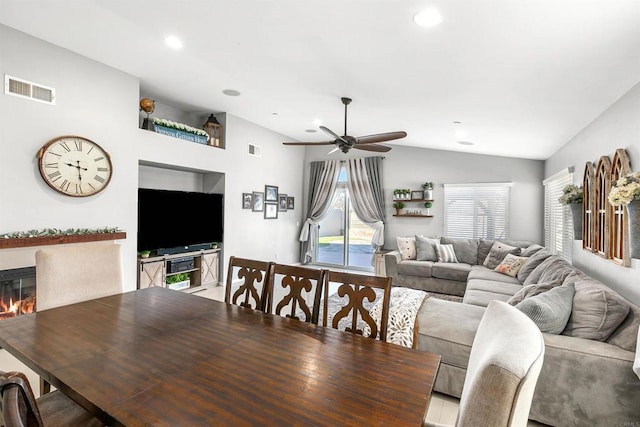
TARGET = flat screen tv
(178,221)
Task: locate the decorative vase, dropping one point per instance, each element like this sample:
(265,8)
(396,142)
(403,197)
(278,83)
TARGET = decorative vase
(633,212)
(576,214)
(428,194)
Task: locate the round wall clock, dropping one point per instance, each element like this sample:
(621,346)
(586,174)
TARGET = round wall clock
(74,166)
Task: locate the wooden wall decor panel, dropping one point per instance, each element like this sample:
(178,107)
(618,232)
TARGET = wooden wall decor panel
(588,218)
(601,203)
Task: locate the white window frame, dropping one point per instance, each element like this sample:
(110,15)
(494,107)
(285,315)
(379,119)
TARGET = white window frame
(463,214)
(558,232)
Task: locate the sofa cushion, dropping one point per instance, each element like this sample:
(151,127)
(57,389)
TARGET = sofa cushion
(597,310)
(531,249)
(501,288)
(436,335)
(446,254)
(451,271)
(481,272)
(407,247)
(425,248)
(549,310)
(482,298)
(484,246)
(530,291)
(412,267)
(497,253)
(553,270)
(510,265)
(626,335)
(531,263)
(466,249)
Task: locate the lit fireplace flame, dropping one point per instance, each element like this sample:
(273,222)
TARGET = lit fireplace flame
(13,309)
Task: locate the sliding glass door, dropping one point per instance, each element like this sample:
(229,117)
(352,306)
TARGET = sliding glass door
(344,241)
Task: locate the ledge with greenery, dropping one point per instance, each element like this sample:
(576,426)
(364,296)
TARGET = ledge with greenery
(55,236)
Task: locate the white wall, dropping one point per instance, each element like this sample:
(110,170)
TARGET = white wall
(617,127)
(409,167)
(101,103)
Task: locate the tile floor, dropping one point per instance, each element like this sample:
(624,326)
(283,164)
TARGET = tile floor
(443,409)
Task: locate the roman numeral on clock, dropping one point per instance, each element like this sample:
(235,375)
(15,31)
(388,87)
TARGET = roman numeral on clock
(54,176)
(65,185)
(99,179)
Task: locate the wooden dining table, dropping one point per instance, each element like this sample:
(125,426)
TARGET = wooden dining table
(158,357)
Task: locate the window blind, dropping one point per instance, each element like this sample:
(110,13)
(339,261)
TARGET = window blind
(476,211)
(558,236)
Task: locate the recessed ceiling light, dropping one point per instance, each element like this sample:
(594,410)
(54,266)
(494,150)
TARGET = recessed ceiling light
(428,18)
(173,42)
(310,130)
(231,92)
(465,142)
(274,114)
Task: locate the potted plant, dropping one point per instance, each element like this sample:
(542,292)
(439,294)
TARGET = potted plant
(178,281)
(428,190)
(398,206)
(396,194)
(145,254)
(626,192)
(572,196)
(428,206)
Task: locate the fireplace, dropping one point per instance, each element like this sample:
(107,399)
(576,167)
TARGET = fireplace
(17,291)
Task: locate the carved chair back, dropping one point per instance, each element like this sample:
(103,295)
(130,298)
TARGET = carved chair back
(303,288)
(253,276)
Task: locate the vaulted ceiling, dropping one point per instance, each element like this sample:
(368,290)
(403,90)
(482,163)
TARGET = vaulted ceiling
(522,77)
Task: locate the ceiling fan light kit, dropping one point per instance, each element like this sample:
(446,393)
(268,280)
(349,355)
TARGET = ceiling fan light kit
(346,142)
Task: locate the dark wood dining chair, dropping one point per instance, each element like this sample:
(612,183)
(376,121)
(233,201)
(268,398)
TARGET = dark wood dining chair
(253,276)
(20,408)
(304,285)
(357,287)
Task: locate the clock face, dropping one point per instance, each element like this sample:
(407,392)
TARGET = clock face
(74,166)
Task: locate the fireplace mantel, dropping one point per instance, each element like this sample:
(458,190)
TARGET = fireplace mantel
(58,240)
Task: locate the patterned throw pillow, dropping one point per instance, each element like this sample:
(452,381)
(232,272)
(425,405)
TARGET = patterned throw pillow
(407,247)
(446,253)
(510,265)
(497,253)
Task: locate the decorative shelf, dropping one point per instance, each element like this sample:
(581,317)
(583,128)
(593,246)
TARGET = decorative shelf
(412,200)
(24,242)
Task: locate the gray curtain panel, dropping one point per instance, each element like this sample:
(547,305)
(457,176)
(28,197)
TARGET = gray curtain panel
(323,180)
(365,192)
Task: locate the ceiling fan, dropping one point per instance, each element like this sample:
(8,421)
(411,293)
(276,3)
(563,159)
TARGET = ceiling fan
(347,142)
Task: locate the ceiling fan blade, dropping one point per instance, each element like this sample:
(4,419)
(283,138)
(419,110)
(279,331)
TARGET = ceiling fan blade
(380,137)
(377,148)
(309,143)
(334,150)
(332,133)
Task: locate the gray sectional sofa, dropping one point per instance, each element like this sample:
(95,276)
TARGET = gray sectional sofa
(587,377)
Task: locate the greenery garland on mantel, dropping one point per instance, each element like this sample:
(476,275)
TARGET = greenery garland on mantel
(53,232)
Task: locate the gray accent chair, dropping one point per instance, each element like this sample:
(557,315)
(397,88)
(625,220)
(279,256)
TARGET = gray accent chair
(504,364)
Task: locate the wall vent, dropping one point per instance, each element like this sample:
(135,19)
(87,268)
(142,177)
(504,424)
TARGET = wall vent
(255,150)
(25,89)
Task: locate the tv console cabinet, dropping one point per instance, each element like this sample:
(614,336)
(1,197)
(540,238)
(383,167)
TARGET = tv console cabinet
(202,267)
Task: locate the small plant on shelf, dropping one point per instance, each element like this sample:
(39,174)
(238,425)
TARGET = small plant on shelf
(428,206)
(145,254)
(398,206)
(427,185)
(176,278)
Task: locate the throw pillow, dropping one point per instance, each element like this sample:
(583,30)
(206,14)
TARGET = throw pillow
(550,310)
(531,249)
(531,263)
(497,253)
(510,265)
(425,248)
(530,291)
(597,311)
(466,249)
(446,253)
(407,247)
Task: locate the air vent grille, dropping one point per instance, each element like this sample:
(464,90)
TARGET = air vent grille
(29,90)
(255,150)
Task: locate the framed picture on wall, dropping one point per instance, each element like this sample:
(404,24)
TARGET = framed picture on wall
(258,201)
(270,193)
(290,203)
(247,201)
(270,211)
(282,202)
(417,195)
